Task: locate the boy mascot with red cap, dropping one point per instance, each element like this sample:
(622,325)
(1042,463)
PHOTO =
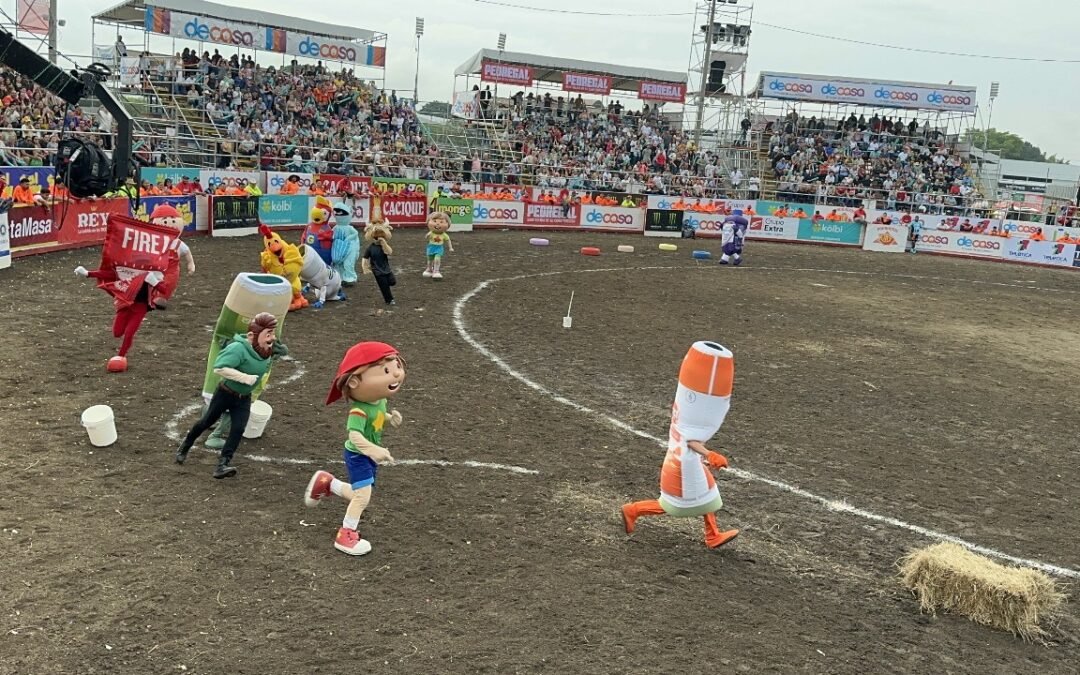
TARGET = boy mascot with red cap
(370,373)
(156,286)
(687,487)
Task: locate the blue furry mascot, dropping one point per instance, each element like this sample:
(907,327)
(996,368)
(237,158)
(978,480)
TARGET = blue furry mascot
(345,250)
(732,236)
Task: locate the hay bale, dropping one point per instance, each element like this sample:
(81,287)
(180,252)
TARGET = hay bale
(950,578)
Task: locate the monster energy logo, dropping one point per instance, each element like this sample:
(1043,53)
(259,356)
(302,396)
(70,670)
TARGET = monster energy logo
(234,212)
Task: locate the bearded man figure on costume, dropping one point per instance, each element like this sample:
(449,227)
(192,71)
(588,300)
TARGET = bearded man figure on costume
(370,373)
(240,365)
(139,281)
(687,487)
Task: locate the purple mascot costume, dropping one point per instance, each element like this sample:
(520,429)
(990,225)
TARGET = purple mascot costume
(733,234)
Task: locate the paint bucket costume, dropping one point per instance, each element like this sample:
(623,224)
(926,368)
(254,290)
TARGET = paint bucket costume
(320,278)
(249,295)
(140,269)
(687,487)
(370,373)
(732,236)
(284,260)
(241,365)
(438,243)
(377,258)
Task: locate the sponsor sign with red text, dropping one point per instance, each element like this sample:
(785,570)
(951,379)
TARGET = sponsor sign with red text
(962,243)
(85,221)
(776,229)
(405,209)
(506,73)
(662,91)
(612,218)
(586,84)
(551,214)
(487,212)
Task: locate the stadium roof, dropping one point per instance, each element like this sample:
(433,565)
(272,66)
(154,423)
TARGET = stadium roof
(132,13)
(551,68)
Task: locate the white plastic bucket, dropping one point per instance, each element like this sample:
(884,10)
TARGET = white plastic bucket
(260,415)
(567,321)
(100,425)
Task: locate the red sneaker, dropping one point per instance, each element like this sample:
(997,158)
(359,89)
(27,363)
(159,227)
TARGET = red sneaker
(318,487)
(349,541)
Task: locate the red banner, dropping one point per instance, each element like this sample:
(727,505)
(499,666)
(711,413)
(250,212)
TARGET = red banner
(28,225)
(506,73)
(586,84)
(133,248)
(551,214)
(336,185)
(662,91)
(32,16)
(85,221)
(404,209)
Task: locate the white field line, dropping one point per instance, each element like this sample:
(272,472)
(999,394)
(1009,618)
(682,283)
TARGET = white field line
(835,505)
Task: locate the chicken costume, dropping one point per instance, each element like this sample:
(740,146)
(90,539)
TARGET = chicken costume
(140,268)
(285,260)
(687,487)
(370,373)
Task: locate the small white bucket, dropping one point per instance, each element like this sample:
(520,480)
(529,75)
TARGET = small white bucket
(260,415)
(100,425)
(567,321)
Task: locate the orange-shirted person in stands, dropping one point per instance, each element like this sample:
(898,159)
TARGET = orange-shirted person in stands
(59,192)
(147,189)
(291,186)
(23,194)
(1038,235)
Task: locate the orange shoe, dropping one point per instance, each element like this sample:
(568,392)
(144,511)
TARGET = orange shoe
(721,539)
(628,518)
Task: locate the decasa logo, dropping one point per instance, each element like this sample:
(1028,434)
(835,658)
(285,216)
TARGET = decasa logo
(980,244)
(211,33)
(791,87)
(896,95)
(933,239)
(484,213)
(704,223)
(327,51)
(609,218)
(278,181)
(851,92)
(937,98)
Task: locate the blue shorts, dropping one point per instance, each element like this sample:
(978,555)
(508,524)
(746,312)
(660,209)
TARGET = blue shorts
(435,250)
(361,469)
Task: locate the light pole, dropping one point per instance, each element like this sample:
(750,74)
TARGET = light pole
(705,65)
(995,87)
(52,32)
(416,81)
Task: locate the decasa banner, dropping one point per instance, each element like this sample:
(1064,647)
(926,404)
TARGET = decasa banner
(961,243)
(867,92)
(204,29)
(618,218)
(276,182)
(498,213)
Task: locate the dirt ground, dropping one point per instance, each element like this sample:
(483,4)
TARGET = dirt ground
(935,391)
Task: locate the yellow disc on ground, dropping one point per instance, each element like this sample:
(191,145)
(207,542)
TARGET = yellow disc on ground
(668,247)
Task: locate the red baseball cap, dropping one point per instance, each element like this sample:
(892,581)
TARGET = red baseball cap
(359,355)
(164,211)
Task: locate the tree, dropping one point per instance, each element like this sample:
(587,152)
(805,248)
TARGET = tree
(1010,146)
(437,108)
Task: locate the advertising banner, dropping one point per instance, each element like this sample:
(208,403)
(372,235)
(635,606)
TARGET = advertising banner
(283,210)
(446,188)
(86,221)
(203,29)
(877,94)
(586,84)
(498,213)
(5,243)
(466,105)
(41,177)
(211,179)
(129,70)
(235,216)
(156,175)
(663,223)
(1040,252)
(404,209)
(886,238)
(662,91)
(32,16)
(506,73)
(773,228)
(276,180)
(398,186)
(31,225)
(519,193)
(186,205)
(551,214)
(337,185)
(1023,229)
(784,209)
(320,48)
(359,209)
(616,218)
(459,210)
(827,232)
(961,243)
(722,206)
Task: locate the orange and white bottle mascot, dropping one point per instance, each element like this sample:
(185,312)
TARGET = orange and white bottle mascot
(687,486)
(283,259)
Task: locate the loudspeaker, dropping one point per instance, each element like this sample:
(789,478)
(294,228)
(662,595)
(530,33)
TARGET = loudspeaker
(25,61)
(716,77)
(84,168)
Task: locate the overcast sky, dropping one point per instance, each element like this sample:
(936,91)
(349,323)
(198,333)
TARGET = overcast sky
(1036,100)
